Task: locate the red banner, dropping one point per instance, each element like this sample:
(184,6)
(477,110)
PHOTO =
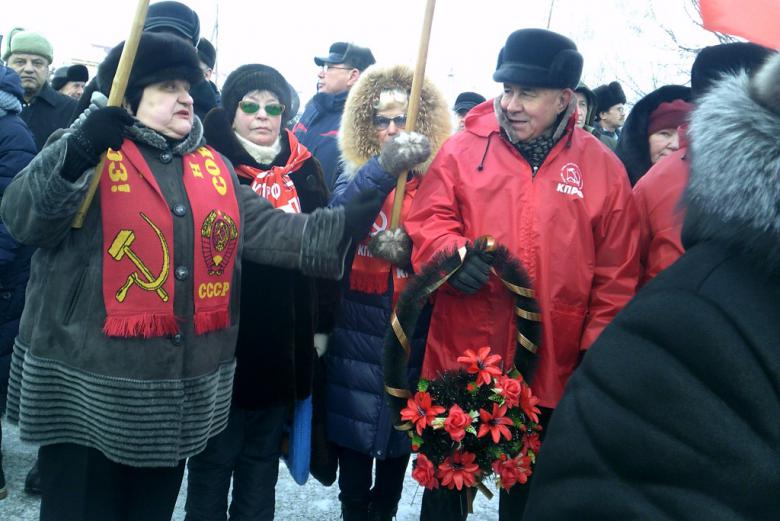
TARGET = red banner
(754,20)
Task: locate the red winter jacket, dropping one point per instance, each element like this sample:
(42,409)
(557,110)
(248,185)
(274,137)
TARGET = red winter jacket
(657,195)
(573,225)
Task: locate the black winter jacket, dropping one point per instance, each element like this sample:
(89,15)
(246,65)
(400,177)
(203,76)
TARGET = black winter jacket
(279,307)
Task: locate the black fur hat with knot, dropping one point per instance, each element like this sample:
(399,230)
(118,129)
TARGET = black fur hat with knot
(160,57)
(255,76)
(608,96)
(539,58)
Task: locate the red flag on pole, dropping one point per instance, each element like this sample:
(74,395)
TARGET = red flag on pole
(754,20)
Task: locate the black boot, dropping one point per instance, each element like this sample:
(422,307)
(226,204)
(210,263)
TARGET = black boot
(378,512)
(32,484)
(355,511)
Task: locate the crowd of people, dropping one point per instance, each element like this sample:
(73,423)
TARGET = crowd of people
(229,279)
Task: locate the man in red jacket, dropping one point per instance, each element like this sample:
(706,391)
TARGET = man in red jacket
(657,194)
(554,196)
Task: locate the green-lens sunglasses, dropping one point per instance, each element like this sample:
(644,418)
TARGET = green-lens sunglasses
(251,107)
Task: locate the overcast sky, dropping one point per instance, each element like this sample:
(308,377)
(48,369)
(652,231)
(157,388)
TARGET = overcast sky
(623,40)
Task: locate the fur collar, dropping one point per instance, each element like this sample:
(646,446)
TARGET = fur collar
(357,137)
(143,134)
(733,195)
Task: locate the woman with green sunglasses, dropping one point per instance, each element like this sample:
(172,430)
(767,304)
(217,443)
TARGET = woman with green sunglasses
(275,351)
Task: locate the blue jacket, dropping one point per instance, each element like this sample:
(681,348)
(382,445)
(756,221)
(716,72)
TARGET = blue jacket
(17,148)
(318,131)
(358,416)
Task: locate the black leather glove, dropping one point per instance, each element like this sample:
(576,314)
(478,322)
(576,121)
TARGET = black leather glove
(473,273)
(102,129)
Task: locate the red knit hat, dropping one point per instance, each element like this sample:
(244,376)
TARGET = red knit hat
(670,114)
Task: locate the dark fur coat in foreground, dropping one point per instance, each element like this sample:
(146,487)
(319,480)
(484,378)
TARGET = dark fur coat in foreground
(674,413)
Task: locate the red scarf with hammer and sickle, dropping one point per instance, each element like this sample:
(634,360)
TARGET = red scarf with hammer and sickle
(139,274)
(370,274)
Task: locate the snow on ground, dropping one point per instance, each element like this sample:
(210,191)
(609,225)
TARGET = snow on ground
(311,502)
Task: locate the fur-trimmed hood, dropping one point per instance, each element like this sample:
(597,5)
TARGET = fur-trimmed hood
(357,136)
(632,147)
(733,195)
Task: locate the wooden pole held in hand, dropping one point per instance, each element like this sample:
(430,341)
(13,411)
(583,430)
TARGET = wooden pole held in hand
(414,103)
(115,99)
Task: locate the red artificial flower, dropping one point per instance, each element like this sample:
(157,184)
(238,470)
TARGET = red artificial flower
(421,411)
(495,423)
(528,403)
(510,389)
(482,363)
(456,423)
(424,472)
(532,442)
(511,471)
(458,470)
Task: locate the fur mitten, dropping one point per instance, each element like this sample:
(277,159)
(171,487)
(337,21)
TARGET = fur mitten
(405,151)
(394,246)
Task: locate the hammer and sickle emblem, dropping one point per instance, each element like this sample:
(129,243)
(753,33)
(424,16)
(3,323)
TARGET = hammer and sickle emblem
(120,248)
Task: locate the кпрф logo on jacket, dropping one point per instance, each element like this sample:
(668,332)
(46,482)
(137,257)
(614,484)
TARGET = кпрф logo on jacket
(571,175)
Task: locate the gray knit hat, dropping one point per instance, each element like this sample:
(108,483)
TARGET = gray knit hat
(29,42)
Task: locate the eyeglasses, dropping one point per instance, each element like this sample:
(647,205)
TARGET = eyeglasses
(327,67)
(382,122)
(251,107)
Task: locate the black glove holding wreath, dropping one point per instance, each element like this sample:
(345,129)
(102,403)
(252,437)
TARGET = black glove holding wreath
(480,420)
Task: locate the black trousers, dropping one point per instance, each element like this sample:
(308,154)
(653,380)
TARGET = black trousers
(355,479)
(247,451)
(79,483)
(451,505)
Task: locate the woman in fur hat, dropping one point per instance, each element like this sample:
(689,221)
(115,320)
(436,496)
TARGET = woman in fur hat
(359,421)
(650,132)
(124,362)
(275,352)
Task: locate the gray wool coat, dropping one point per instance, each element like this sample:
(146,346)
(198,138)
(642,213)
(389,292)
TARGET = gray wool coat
(141,402)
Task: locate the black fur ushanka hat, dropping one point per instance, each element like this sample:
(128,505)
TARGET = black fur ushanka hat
(160,57)
(608,96)
(539,58)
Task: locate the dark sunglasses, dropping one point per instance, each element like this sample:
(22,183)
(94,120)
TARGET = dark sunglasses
(251,107)
(381,122)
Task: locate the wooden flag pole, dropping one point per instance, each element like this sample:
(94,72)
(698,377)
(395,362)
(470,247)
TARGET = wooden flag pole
(414,103)
(115,99)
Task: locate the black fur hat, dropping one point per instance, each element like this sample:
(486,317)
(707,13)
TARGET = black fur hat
(714,61)
(207,53)
(608,96)
(255,76)
(160,57)
(63,75)
(539,58)
(173,17)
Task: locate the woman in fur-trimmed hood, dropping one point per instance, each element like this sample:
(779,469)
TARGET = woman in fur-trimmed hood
(690,367)
(375,150)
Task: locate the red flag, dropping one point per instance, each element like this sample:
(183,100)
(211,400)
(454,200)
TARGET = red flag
(754,20)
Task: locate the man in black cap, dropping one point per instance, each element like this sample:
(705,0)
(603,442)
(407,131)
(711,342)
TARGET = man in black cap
(70,80)
(610,112)
(559,201)
(319,125)
(207,56)
(464,103)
